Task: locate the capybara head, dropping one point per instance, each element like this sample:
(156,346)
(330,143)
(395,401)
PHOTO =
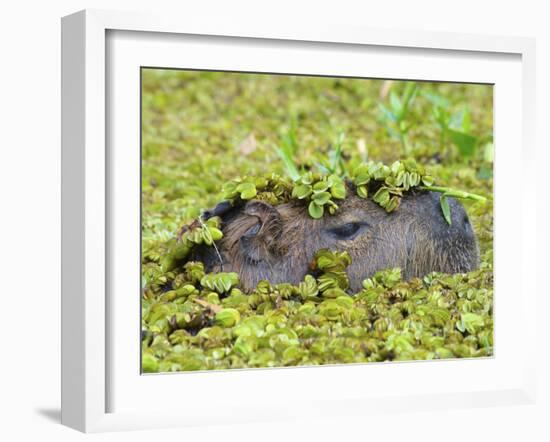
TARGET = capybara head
(277,243)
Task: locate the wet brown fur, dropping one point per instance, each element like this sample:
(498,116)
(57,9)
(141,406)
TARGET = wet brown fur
(278,243)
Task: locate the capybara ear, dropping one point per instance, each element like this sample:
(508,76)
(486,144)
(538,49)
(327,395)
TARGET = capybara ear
(221,209)
(259,241)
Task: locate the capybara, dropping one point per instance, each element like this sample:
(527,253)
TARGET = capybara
(277,243)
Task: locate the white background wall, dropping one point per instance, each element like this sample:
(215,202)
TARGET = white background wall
(30,215)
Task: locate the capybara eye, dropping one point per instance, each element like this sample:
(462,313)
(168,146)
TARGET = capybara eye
(346,231)
(252,231)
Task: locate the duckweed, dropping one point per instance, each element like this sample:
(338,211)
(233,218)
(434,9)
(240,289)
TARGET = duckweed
(317,322)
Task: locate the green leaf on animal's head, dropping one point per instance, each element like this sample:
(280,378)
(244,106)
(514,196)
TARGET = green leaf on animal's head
(466,143)
(301,191)
(391,181)
(393,203)
(260,183)
(315,211)
(404,180)
(445,208)
(333,179)
(362,191)
(321,198)
(338,191)
(213,222)
(247,190)
(361,174)
(399,178)
(217,234)
(207,237)
(382,196)
(427,180)
(337,186)
(396,167)
(382,172)
(414,179)
(372,167)
(362,179)
(229,190)
(320,186)
(306,178)
(410,165)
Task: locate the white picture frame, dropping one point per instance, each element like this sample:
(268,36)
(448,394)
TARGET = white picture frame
(89,172)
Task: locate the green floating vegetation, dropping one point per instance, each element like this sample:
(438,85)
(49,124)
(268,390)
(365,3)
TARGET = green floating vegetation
(200,130)
(190,235)
(206,323)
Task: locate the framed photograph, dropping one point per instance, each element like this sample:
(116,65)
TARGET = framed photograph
(292,222)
